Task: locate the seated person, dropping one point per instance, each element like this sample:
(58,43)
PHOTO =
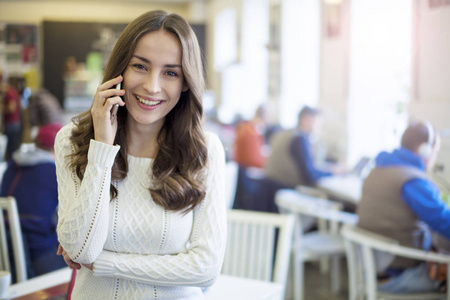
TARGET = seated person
(250,152)
(31,179)
(291,160)
(399,201)
(249,143)
(44,108)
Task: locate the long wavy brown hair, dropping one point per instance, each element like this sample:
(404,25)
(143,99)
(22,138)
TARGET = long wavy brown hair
(178,168)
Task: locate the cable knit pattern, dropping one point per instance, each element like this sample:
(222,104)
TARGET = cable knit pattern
(139,249)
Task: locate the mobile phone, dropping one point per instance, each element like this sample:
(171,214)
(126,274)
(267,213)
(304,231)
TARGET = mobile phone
(115,107)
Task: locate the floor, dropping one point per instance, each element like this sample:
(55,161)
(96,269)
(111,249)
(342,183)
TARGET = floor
(317,285)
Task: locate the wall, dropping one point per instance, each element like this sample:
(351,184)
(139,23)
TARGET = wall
(334,77)
(431,93)
(117,12)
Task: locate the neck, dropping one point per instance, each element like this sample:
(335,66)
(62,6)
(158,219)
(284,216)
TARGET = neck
(143,139)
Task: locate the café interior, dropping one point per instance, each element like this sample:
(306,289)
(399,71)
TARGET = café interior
(371,67)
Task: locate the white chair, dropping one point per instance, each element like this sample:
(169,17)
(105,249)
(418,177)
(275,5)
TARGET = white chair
(3,143)
(316,245)
(254,240)
(231,173)
(364,250)
(9,205)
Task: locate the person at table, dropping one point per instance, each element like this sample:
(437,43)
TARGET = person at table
(250,151)
(399,201)
(142,211)
(249,145)
(31,179)
(291,160)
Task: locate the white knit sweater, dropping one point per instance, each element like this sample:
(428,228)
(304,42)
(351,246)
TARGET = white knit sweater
(139,249)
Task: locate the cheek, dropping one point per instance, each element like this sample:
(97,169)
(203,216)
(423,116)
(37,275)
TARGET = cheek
(175,91)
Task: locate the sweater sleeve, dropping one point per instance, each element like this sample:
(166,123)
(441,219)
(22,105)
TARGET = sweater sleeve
(202,263)
(423,198)
(83,205)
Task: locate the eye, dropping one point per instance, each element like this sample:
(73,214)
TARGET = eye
(171,73)
(139,66)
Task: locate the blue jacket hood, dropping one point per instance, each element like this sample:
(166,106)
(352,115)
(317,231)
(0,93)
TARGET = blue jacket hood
(400,157)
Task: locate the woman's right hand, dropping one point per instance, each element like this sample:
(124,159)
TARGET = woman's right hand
(105,98)
(67,259)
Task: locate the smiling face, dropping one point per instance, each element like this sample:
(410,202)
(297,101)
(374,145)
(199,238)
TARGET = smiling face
(153,79)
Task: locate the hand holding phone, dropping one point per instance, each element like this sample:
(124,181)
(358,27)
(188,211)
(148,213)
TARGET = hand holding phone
(115,107)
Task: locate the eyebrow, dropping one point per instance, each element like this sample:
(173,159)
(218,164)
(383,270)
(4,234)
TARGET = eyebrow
(149,62)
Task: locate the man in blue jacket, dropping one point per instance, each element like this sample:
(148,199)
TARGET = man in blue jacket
(399,201)
(31,179)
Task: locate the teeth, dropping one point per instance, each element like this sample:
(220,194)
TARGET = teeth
(147,102)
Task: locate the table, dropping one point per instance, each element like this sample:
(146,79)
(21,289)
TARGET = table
(314,207)
(237,288)
(346,188)
(52,284)
(226,287)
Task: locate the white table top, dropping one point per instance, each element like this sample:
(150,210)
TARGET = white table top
(39,283)
(225,288)
(237,288)
(312,206)
(347,188)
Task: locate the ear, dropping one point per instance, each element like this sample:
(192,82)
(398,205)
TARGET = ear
(185,87)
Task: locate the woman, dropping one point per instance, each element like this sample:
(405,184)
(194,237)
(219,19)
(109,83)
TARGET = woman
(142,212)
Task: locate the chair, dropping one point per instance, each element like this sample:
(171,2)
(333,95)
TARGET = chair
(315,245)
(8,204)
(3,143)
(252,239)
(231,173)
(364,248)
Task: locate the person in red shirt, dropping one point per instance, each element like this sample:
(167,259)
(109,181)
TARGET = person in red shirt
(250,152)
(249,146)
(11,116)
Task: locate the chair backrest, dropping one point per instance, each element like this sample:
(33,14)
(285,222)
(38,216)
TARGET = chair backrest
(231,172)
(8,205)
(3,143)
(253,240)
(368,252)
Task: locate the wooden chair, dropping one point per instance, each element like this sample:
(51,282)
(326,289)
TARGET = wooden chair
(8,205)
(258,245)
(364,247)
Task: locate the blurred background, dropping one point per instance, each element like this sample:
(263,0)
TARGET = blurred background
(369,65)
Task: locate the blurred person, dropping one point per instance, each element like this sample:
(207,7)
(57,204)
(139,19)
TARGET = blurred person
(291,161)
(11,116)
(31,179)
(142,210)
(399,201)
(249,144)
(44,108)
(250,151)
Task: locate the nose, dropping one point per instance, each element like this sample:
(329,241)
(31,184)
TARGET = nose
(152,83)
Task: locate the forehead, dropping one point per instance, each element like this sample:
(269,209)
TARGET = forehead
(159,45)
